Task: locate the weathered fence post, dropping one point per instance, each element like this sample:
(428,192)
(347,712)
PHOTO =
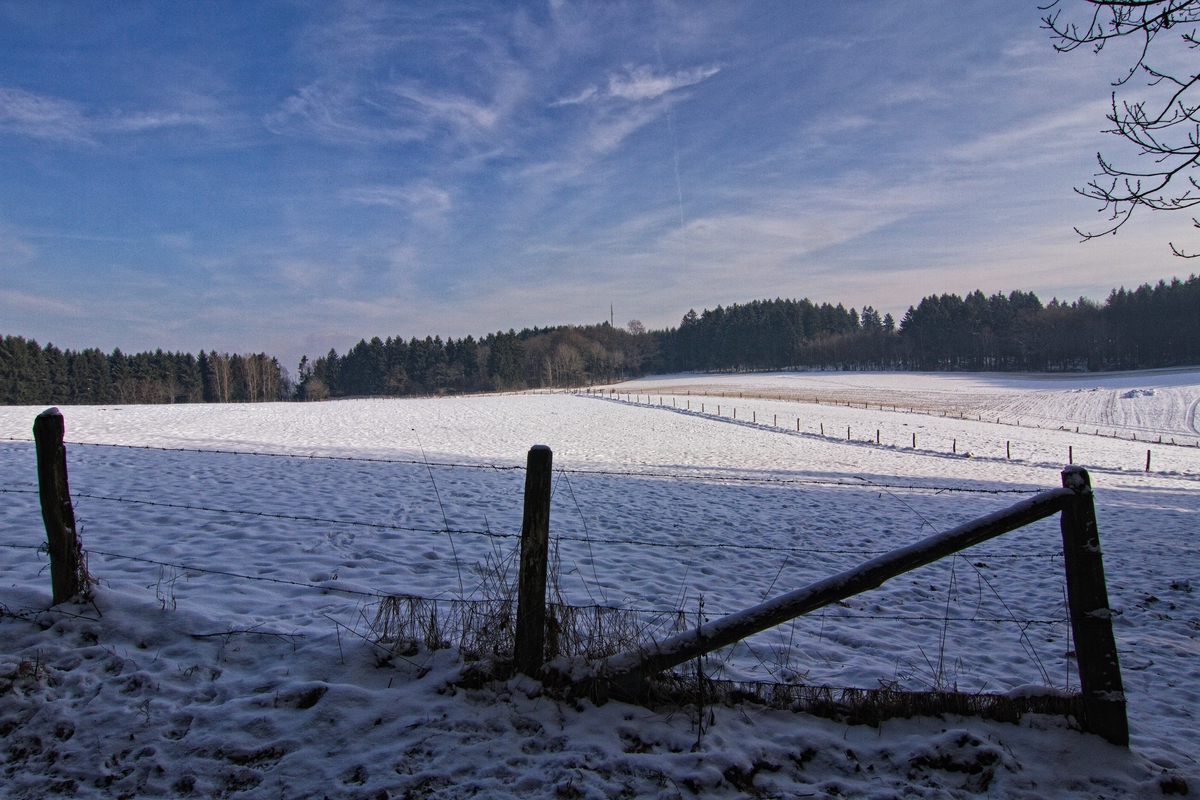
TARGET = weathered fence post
(529,648)
(1091,618)
(57,514)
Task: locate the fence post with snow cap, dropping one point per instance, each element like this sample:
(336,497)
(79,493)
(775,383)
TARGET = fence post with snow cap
(1091,617)
(66,555)
(530,635)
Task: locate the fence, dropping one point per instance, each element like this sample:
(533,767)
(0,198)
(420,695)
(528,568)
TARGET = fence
(405,621)
(1014,421)
(1099,669)
(636,399)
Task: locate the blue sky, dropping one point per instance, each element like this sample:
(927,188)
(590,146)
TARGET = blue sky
(293,176)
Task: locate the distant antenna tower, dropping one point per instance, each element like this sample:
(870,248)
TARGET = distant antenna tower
(612,321)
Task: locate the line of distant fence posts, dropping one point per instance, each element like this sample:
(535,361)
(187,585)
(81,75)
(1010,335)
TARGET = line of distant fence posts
(624,675)
(953,445)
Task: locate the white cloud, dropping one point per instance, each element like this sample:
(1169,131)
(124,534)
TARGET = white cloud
(1046,137)
(302,273)
(453,110)
(344,111)
(24,303)
(41,117)
(425,202)
(617,111)
(52,118)
(607,134)
(14,248)
(333,111)
(175,241)
(642,84)
(150,121)
(583,97)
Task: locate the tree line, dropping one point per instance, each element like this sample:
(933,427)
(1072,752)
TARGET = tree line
(1150,326)
(34,375)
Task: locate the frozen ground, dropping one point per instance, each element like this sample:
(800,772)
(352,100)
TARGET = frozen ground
(212,684)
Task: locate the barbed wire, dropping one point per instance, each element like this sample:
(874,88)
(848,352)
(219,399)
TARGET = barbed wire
(494,535)
(775,548)
(304,457)
(325,587)
(271,515)
(861,483)
(857,483)
(914,618)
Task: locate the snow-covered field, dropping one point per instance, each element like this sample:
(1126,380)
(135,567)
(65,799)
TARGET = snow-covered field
(252,683)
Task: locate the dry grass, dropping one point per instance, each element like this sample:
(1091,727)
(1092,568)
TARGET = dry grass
(857,706)
(483,633)
(483,629)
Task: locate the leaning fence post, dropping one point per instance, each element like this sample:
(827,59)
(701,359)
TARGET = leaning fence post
(57,514)
(1091,618)
(529,648)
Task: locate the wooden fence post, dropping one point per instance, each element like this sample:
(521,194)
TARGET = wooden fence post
(530,644)
(1091,618)
(63,544)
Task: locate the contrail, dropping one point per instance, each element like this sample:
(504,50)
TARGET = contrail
(674,143)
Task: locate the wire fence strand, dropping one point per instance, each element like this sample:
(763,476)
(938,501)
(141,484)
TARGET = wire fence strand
(325,587)
(860,483)
(494,535)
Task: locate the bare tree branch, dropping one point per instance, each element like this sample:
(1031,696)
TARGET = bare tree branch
(1165,131)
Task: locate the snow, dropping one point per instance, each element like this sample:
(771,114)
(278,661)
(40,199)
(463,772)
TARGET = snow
(178,681)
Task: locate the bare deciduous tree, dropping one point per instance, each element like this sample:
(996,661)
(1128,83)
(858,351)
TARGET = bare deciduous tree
(1164,127)
(220,372)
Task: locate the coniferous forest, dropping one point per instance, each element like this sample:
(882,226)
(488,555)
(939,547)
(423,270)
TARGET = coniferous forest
(1150,326)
